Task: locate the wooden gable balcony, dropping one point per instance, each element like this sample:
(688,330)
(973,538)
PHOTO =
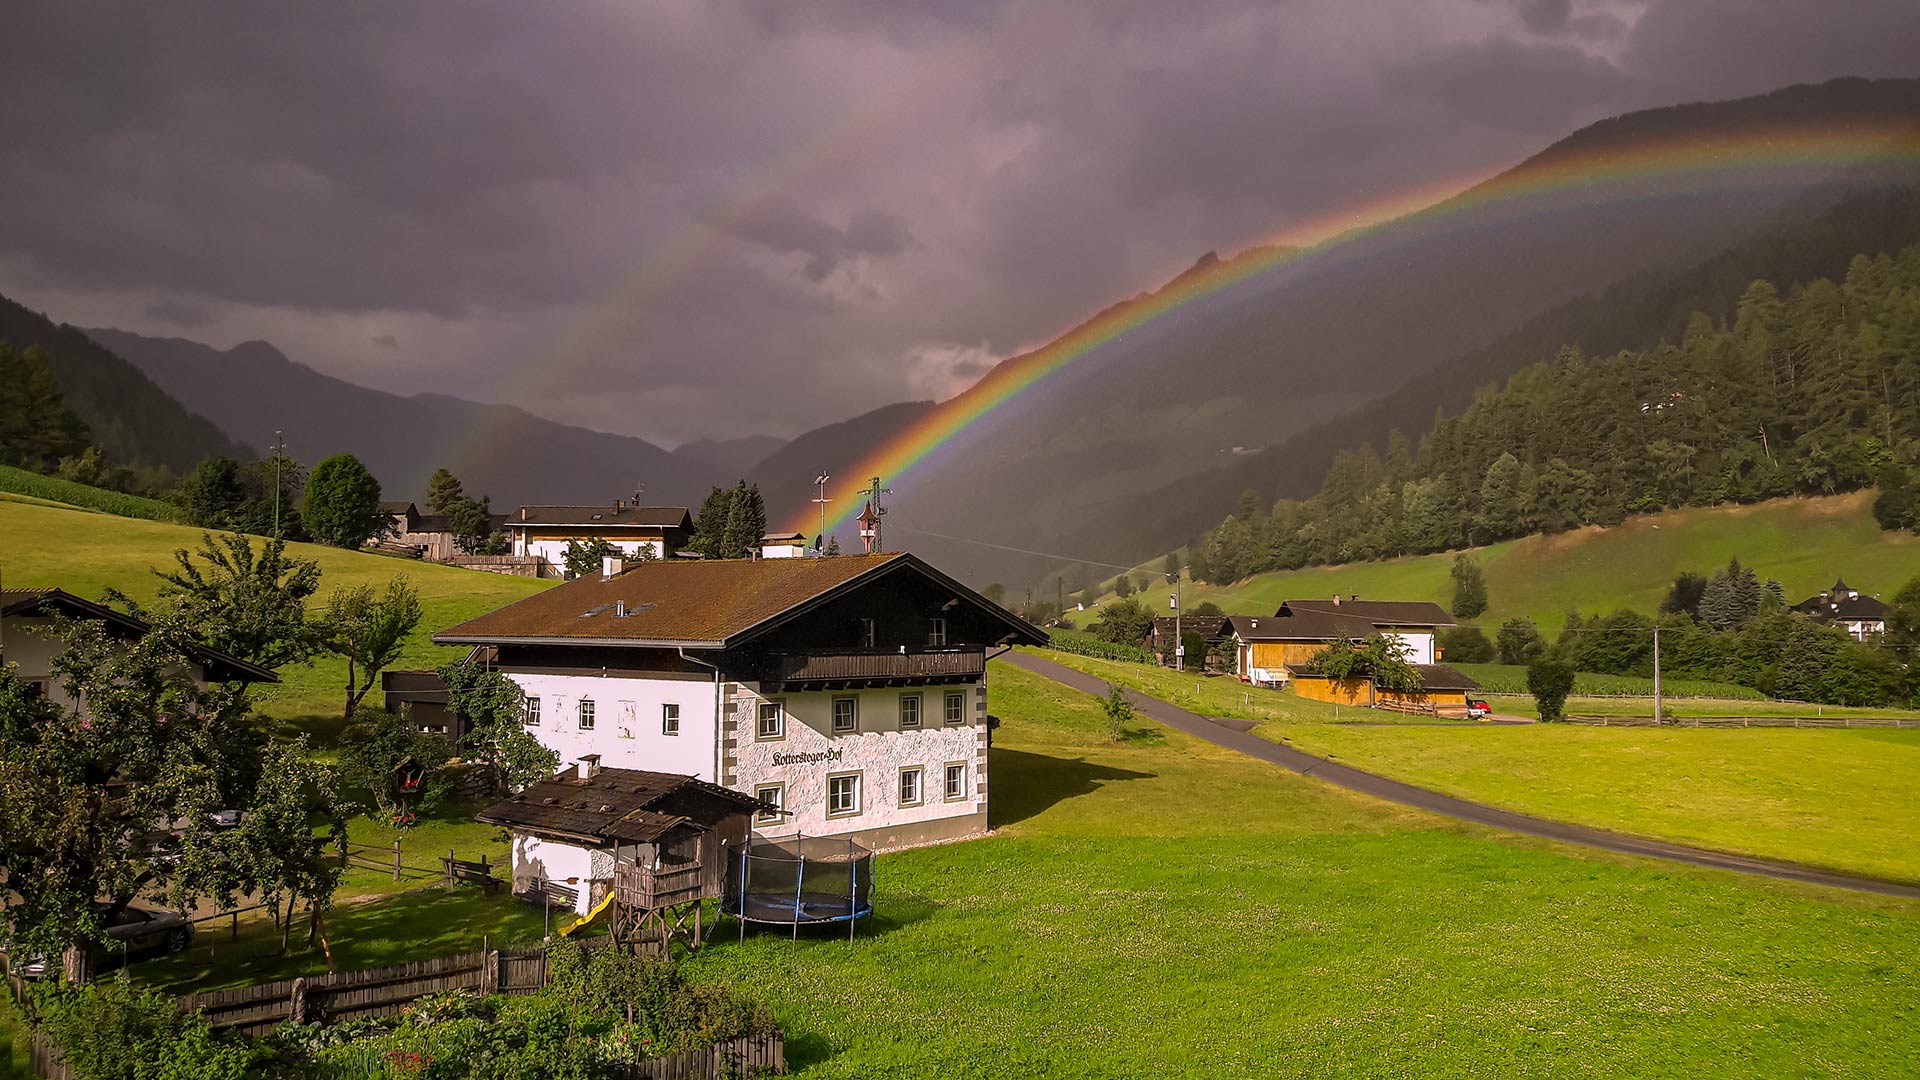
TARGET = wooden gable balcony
(853,669)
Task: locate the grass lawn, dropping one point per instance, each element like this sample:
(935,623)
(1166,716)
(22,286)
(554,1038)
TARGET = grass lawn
(1840,799)
(85,553)
(1802,543)
(451,827)
(1165,908)
(1512,679)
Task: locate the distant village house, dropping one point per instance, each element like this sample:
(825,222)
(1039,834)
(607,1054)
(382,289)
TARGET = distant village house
(1860,616)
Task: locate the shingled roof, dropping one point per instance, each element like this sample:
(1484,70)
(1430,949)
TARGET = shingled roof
(1842,603)
(612,804)
(604,515)
(706,604)
(1300,626)
(50,601)
(1381,612)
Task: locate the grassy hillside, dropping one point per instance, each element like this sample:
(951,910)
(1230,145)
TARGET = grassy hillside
(53,489)
(1803,543)
(85,553)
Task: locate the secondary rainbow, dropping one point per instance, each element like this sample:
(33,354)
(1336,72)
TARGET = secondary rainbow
(1607,174)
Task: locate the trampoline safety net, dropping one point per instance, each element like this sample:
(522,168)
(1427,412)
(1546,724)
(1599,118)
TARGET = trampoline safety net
(796,880)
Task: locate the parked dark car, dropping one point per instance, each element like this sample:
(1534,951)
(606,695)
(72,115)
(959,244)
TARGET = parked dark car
(131,932)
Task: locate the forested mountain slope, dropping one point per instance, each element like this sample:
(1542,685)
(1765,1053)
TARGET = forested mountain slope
(1810,392)
(128,415)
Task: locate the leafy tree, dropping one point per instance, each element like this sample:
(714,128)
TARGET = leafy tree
(1469,588)
(996,592)
(1119,710)
(471,521)
(1902,636)
(1380,658)
(1550,680)
(1125,622)
(83,792)
(1684,596)
(213,495)
(1198,568)
(1206,608)
(36,427)
(250,606)
(369,629)
(1465,645)
(1196,645)
(444,492)
(343,503)
(1170,566)
(1519,642)
(374,746)
(1123,586)
(1090,595)
(276,853)
(495,710)
(583,557)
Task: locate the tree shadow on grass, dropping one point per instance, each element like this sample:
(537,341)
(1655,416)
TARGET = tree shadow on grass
(1025,784)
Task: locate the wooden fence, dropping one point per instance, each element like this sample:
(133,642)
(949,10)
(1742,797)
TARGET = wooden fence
(1596,720)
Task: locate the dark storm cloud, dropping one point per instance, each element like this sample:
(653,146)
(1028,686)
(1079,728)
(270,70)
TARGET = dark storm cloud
(619,214)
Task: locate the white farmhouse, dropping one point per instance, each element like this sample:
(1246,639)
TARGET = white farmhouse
(849,692)
(543,532)
(29,646)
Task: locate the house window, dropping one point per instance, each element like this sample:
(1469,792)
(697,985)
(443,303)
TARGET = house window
(843,795)
(586,714)
(773,721)
(533,712)
(670,719)
(773,794)
(37,688)
(843,715)
(910,785)
(956,781)
(868,635)
(909,710)
(937,633)
(956,707)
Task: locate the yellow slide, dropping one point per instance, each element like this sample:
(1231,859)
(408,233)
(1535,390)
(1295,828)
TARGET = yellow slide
(589,916)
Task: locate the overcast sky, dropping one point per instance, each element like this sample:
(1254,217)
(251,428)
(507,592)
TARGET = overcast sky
(711,219)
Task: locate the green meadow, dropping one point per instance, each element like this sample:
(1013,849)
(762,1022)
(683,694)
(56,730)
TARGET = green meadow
(1802,543)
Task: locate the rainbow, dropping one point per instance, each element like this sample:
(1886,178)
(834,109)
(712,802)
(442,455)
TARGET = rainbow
(1642,169)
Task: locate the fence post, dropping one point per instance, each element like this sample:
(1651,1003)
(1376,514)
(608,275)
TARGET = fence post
(297,1006)
(396,858)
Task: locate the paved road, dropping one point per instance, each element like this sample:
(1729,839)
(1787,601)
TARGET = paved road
(1425,799)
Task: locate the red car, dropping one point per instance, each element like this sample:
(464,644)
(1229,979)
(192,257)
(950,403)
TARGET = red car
(1478,710)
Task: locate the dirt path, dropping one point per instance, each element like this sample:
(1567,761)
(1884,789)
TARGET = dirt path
(1421,798)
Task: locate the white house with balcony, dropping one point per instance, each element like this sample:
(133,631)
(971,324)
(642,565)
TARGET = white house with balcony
(847,692)
(543,532)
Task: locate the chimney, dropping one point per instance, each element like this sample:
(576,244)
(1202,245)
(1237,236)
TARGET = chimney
(619,505)
(589,766)
(611,566)
(619,609)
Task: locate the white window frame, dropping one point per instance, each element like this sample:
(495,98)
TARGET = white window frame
(948,712)
(670,719)
(531,717)
(937,633)
(779,799)
(855,779)
(853,716)
(919,711)
(946,785)
(919,775)
(779,718)
(587,714)
(869,634)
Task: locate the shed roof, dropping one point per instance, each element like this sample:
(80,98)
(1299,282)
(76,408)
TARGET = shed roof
(1300,626)
(611,804)
(704,603)
(617,515)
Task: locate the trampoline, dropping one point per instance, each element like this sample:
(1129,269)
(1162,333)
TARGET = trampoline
(797,881)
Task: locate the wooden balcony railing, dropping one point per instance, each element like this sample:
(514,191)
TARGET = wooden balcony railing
(927,665)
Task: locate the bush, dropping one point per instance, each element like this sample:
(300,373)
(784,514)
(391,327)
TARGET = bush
(1519,642)
(1549,681)
(1464,645)
(1125,622)
(110,1030)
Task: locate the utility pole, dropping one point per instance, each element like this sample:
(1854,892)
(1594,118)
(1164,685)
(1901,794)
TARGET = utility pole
(870,518)
(820,484)
(1179,642)
(1657,710)
(279,451)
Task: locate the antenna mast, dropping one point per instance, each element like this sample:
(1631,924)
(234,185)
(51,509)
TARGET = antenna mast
(820,484)
(870,517)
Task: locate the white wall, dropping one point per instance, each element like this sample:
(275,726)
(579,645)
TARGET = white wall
(536,858)
(810,752)
(627,720)
(1419,644)
(555,551)
(30,649)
